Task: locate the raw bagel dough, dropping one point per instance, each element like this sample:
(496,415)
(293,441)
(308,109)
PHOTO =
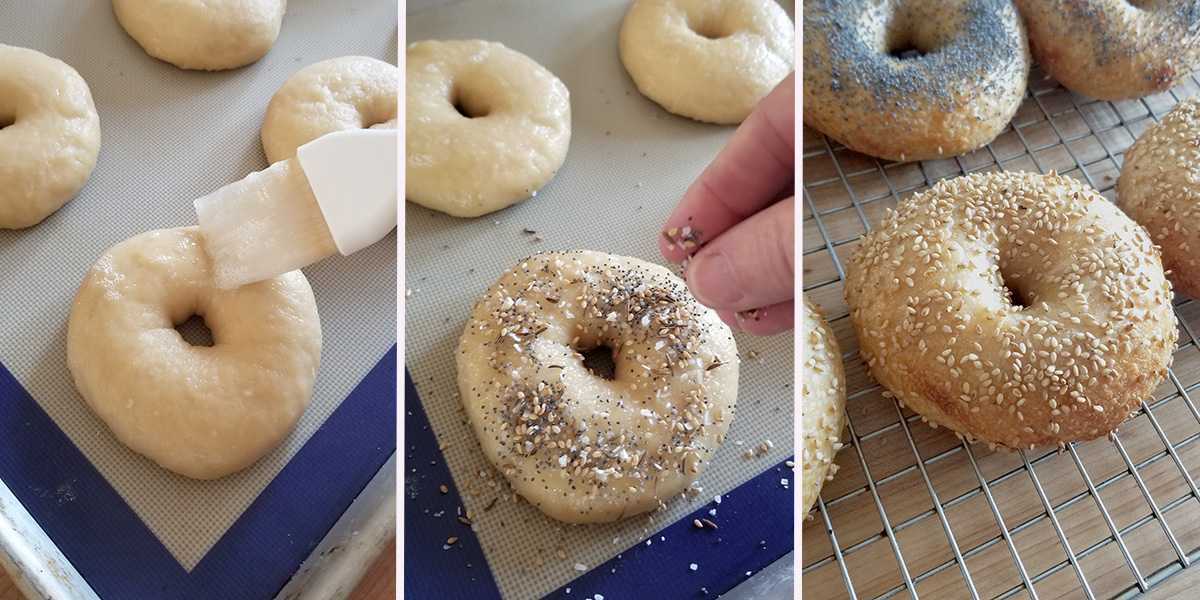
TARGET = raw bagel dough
(208,35)
(1020,309)
(485,126)
(350,92)
(578,446)
(49,136)
(823,412)
(201,411)
(707,60)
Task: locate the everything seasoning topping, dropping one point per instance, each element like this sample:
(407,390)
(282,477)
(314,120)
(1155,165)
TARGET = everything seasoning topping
(585,436)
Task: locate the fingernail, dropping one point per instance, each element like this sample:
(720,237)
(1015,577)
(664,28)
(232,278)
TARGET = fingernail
(710,277)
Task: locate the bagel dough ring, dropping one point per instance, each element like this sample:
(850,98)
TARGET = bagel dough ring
(1020,309)
(1157,188)
(955,96)
(580,447)
(49,136)
(823,408)
(205,35)
(485,126)
(1112,49)
(201,411)
(338,94)
(708,61)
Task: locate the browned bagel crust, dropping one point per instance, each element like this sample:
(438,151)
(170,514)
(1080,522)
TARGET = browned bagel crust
(931,293)
(954,98)
(1158,189)
(823,408)
(1111,49)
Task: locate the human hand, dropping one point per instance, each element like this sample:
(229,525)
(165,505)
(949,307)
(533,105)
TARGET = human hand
(734,229)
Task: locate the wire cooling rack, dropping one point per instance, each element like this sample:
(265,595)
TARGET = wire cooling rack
(915,512)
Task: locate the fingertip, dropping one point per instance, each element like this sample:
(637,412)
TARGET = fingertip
(670,250)
(769,320)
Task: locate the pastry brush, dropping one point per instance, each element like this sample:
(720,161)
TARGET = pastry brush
(338,194)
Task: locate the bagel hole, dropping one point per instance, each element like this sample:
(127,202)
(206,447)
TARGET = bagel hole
(907,53)
(712,29)
(467,106)
(1017,296)
(194,331)
(599,362)
(6,120)
(901,45)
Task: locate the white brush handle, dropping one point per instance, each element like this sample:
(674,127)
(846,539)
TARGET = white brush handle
(353,175)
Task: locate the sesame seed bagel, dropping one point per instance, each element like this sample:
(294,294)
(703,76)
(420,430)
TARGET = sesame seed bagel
(1158,188)
(823,408)
(581,447)
(1019,309)
(954,97)
(1114,49)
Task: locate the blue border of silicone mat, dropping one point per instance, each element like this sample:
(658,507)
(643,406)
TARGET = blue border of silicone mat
(755,528)
(118,555)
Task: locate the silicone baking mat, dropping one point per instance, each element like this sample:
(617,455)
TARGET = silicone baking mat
(168,137)
(627,166)
(914,512)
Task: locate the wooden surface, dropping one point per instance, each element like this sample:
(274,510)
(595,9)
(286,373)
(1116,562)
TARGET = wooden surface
(909,500)
(378,583)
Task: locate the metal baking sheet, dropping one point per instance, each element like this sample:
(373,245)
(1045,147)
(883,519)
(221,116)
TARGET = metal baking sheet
(123,525)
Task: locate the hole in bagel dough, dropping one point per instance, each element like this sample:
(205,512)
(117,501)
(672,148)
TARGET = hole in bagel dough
(1017,294)
(599,362)
(906,53)
(469,105)
(709,27)
(194,331)
(908,42)
(6,120)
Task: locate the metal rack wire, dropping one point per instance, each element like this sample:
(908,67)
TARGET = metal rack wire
(915,512)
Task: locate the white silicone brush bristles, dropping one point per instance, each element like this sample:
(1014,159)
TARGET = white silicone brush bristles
(264,225)
(339,194)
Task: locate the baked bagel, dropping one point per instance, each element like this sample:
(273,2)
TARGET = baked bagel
(823,408)
(1113,49)
(862,89)
(1158,189)
(1020,309)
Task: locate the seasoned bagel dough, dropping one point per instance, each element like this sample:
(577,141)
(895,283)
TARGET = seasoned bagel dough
(208,35)
(707,60)
(485,126)
(49,136)
(201,411)
(581,447)
(350,92)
